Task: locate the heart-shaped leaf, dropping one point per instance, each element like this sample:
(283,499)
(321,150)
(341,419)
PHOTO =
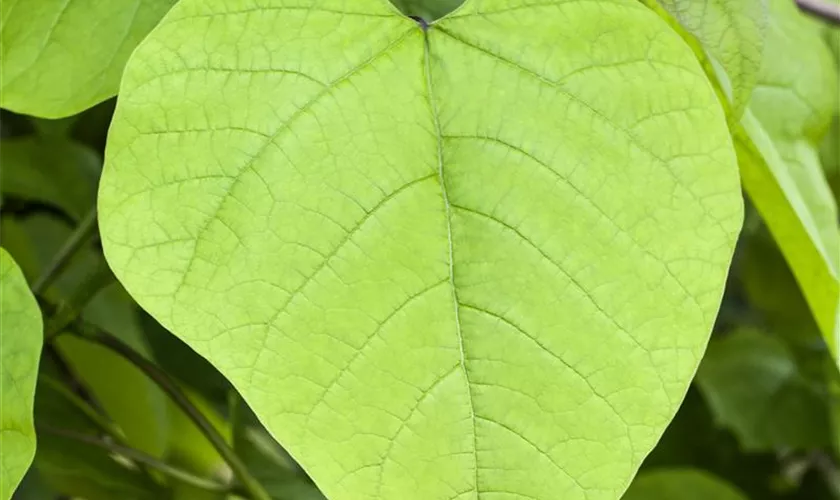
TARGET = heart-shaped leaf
(476,260)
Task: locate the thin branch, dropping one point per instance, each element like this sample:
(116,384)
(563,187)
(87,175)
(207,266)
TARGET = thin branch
(73,379)
(80,236)
(826,11)
(65,313)
(81,397)
(83,406)
(94,334)
(137,456)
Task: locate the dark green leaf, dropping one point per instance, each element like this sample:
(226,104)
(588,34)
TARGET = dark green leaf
(681,484)
(51,170)
(754,387)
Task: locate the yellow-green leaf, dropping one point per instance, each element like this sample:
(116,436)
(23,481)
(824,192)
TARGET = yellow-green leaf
(437,263)
(21,336)
(60,57)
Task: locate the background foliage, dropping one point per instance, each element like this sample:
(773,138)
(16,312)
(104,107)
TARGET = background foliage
(761,420)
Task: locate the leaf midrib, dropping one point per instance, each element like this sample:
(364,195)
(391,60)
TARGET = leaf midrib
(448,215)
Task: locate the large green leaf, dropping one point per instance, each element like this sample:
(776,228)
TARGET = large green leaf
(681,484)
(60,57)
(437,264)
(732,32)
(21,337)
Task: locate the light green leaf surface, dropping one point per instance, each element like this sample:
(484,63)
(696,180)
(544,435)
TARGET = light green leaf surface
(789,113)
(50,170)
(681,484)
(21,337)
(60,57)
(732,33)
(754,387)
(481,261)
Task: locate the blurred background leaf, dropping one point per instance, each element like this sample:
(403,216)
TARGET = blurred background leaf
(681,484)
(754,387)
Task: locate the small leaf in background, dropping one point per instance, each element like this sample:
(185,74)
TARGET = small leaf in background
(830,155)
(188,447)
(771,289)
(50,170)
(34,487)
(681,484)
(21,337)
(473,254)
(73,467)
(732,32)
(116,383)
(754,387)
(60,127)
(86,471)
(60,57)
